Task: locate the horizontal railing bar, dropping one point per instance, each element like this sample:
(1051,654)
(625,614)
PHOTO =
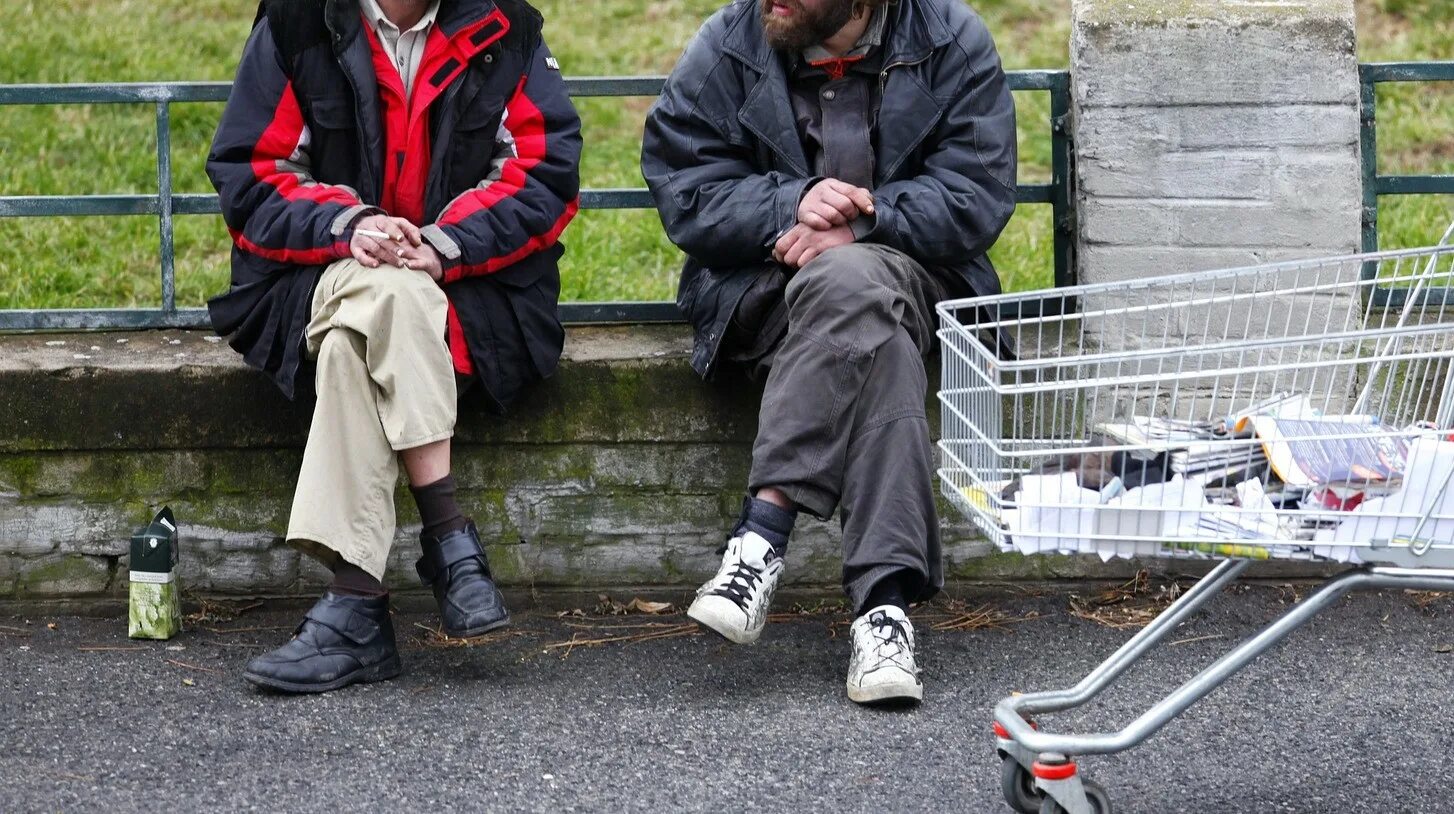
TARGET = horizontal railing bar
(114,93)
(596,86)
(616,199)
(1437,71)
(81,319)
(1414,185)
(90,319)
(123,319)
(579,313)
(42,206)
(580,86)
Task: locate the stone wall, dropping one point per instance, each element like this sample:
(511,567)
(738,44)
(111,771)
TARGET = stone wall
(623,470)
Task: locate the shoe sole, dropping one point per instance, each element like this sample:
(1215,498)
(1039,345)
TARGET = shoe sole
(383,671)
(477,631)
(711,621)
(887,694)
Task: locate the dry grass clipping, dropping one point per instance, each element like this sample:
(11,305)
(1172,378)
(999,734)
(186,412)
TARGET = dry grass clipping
(1126,607)
(1427,600)
(435,638)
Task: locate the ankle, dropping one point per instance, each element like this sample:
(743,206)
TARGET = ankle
(350,580)
(887,591)
(772,522)
(438,510)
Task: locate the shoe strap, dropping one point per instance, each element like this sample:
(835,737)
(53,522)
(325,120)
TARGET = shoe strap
(444,553)
(342,619)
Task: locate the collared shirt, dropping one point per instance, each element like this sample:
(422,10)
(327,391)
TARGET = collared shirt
(405,49)
(835,102)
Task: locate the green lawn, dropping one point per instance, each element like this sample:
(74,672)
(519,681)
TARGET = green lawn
(80,262)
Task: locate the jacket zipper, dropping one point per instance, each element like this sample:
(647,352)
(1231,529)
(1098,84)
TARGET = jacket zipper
(883,76)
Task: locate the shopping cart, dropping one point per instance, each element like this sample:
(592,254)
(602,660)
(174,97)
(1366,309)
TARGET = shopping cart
(1293,411)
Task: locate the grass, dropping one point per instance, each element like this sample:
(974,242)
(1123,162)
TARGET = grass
(90,262)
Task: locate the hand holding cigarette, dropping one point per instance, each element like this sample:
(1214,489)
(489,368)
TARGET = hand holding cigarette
(379,239)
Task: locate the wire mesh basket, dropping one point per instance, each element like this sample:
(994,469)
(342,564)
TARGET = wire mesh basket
(1282,411)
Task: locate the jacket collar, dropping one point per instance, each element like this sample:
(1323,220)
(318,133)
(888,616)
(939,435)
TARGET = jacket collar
(913,34)
(453,16)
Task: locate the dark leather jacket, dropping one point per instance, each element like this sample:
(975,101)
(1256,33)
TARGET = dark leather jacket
(724,161)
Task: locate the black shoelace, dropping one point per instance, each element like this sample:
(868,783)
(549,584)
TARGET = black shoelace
(739,586)
(897,634)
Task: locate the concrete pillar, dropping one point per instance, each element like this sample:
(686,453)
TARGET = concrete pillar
(1212,134)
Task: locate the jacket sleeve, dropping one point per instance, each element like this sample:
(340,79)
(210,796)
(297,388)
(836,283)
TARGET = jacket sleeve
(533,189)
(958,205)
(259,164)
(715,203)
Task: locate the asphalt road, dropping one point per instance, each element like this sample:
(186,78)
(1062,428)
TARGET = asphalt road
(1351,715)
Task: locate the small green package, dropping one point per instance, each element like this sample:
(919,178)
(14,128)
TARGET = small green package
(156,603)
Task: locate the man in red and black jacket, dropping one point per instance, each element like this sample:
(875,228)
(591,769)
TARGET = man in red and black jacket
(395,175)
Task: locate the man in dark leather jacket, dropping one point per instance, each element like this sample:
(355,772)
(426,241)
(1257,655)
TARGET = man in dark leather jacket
(395,175)
(832,169)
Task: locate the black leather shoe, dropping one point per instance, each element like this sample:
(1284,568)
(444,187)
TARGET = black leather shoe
(341,641)
(455,567)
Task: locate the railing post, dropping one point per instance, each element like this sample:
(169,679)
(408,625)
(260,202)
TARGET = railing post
(164,206)
(1061,175)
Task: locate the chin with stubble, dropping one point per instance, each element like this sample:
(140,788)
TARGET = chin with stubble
(793,25)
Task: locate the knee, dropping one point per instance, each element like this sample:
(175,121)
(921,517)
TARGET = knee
(408,293)
(341,351)
(845,277)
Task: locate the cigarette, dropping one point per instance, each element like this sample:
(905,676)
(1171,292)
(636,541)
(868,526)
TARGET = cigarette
(375,235)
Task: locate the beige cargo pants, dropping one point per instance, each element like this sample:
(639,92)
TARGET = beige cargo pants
(385,383)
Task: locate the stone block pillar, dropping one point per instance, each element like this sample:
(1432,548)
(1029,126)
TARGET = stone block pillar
(1212,134)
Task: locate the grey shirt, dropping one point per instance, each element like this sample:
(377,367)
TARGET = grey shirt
(835,102)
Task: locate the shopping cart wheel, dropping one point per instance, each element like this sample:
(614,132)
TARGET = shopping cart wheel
(1019,787)
(1100,802)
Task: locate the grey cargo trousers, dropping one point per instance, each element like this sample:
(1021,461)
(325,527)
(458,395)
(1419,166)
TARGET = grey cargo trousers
(842,422)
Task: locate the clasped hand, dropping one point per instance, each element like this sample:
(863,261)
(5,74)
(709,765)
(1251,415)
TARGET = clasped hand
(823,221)
(404,247)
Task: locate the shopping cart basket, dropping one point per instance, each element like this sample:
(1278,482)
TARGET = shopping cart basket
(1299,410)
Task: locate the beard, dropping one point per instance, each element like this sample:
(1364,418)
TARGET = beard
(806,28)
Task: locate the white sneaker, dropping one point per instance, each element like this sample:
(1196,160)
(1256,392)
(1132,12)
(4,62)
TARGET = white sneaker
(882,667)
(734,602)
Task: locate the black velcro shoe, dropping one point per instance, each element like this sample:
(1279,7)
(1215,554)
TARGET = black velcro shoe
(341,641)
(454,566)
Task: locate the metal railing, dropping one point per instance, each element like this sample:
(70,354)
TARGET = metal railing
(1371,75)
(166,204)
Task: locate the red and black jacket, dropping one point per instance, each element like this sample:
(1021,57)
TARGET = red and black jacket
(486,160)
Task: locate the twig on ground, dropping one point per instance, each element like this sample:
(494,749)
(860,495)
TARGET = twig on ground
(642,626)
(1426,600)
(215,611)
(983,617)
(85,778)
(106,648)
(1196,639)
(213,670)
(226,630)
(437,638)
(666,632)
(1131,605)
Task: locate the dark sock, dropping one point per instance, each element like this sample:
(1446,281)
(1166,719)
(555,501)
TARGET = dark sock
(771,521)
(437,509)
(351,580)
(887,591)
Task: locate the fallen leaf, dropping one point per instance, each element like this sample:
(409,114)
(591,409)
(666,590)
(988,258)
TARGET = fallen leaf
(187,682)
(640,605)
(50,625)
(1444,648)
